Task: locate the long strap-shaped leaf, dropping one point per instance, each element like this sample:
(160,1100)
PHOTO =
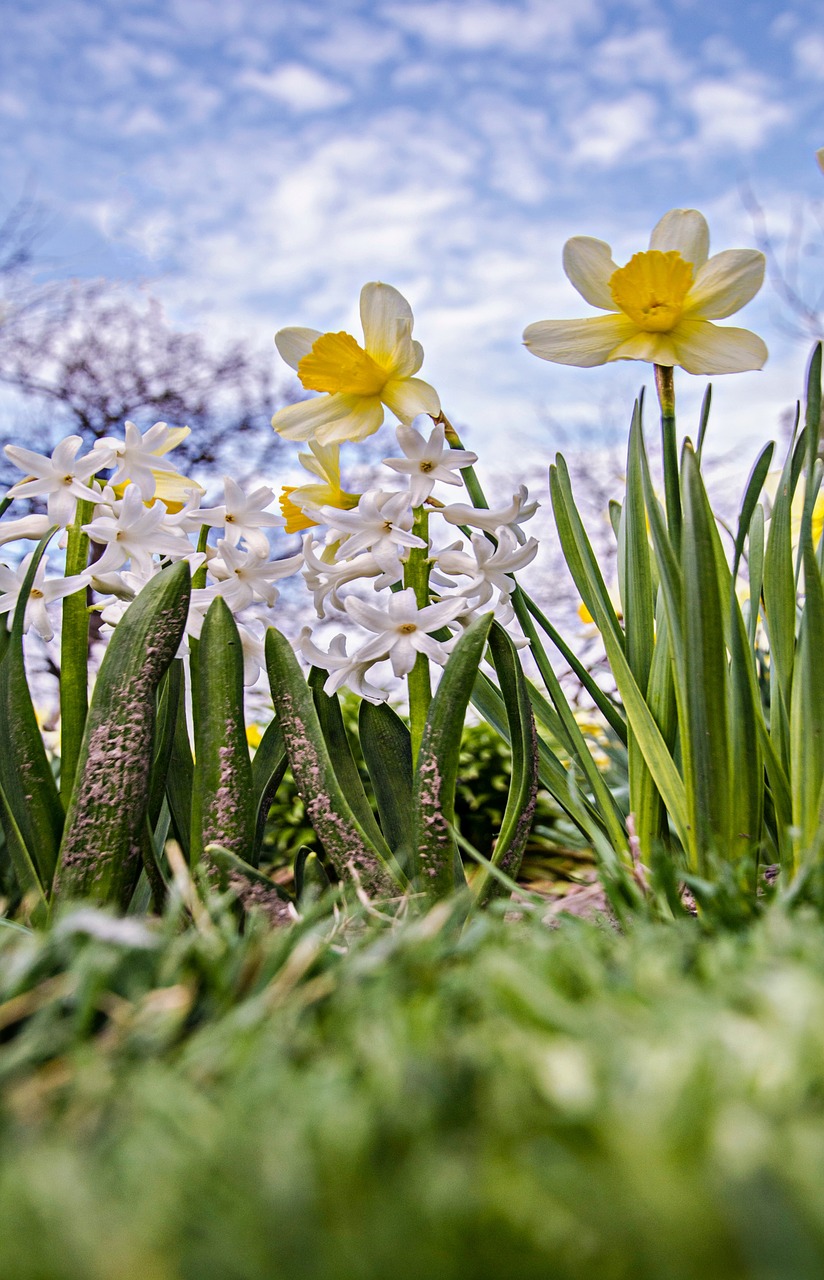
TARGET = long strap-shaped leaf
(26,777)
(340,753)
(101,850)
(223,809)
(269,764)
(436,866)
(639,716)
(523,783)
(344,840)
(386,744)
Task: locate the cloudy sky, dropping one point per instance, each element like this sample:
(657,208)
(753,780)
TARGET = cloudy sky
(256,163)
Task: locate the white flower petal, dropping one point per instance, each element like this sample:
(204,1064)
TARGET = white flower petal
(589,265)
(407,397)
(725,284)
(293,344)
(657,348)
(387,319)
(702,347)
(302,421)
(686,231)
(364,416)
(584,343)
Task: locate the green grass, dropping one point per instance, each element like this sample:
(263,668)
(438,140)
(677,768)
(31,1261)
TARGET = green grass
(508,1100)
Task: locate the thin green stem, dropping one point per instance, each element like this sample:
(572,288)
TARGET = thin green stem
(665,386)
(416,576)
(74,654)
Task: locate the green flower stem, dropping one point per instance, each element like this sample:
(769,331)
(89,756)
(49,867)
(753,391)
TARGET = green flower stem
(74,654)
(416,576)
(471,481)
(665,386)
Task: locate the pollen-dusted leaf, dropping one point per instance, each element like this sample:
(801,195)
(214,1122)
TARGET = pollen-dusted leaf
(436,866)
(26,777)
(516,823)
(387,749)
(223,808)
(252,889)
(100,855)
(346,844)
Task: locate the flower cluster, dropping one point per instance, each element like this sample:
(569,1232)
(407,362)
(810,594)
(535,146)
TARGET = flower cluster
(357,541)
(142,514)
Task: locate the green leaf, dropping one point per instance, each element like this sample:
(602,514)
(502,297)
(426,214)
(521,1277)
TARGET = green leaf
(269,764)
(100,854)
(807,706)
(346,844)
(555,776)
(180,775)
(223,809)
(28,879)
(74,654)
(386,744)
(170,700)
(252,889)
(340,753)
(780,603)
(436,866)
(523,784)
(26,776)
(704,729)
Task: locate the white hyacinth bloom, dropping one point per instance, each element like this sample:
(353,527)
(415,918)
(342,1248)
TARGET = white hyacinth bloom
(402,629)
(43,593)
(519,510)
(61,479)
(428,461)
(132,531)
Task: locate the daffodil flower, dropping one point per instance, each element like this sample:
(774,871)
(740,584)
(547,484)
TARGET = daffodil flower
(357,381)
(661,304)
(298,503)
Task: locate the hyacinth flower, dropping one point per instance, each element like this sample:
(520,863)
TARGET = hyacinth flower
(357,382)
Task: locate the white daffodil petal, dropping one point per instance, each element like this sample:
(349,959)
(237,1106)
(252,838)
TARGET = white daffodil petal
(657,348)
(293,344)
(385,316)
(702,347)
(589,265)
(363,417)
(725,284)
(584,343)
(302,421)
(407,397)
(686,231)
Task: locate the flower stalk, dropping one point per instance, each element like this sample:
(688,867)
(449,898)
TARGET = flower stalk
(416,576)
(665,387)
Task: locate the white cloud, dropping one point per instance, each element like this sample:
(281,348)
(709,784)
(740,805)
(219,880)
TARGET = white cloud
(608,131)
(808,51)
(735,114)
(493,27)
(297,86)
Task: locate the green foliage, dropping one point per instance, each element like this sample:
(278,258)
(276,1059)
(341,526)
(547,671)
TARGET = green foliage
(499,1100)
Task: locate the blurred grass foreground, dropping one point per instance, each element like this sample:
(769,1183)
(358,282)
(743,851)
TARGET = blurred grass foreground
(415,1100)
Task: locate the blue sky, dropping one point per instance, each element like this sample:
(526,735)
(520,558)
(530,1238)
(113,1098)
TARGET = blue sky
(256,163)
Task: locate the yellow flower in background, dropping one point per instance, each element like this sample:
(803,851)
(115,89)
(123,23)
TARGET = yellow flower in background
(296,503)
(661,304)
(819,155)
(356,381)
